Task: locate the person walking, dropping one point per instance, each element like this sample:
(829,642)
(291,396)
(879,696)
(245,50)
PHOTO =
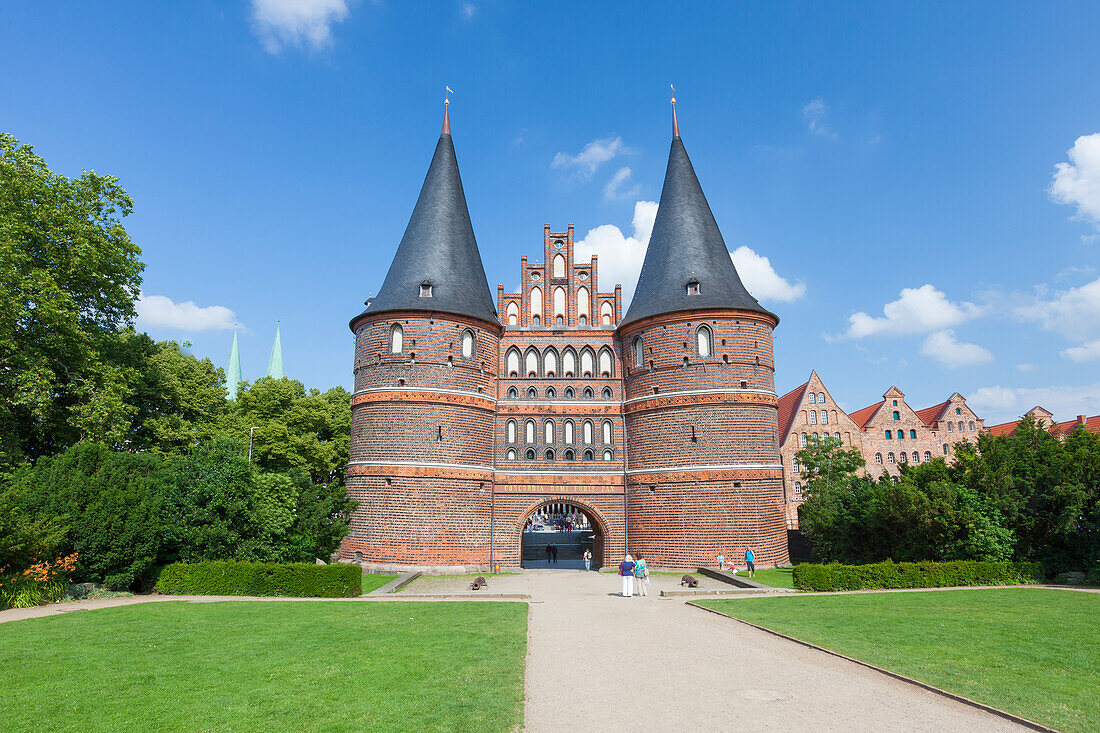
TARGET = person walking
(641,576)
(748,559)
(721,562)
(587,559)
(549,551)
(554,553)
(626,571)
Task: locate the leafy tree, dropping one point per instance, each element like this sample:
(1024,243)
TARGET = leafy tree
(24,541)
(69,276)
(826,459)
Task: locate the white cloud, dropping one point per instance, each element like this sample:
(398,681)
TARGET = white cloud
(1089,351)
(762,280)
(615,187)
(620,256)
(282,23)
(1077,183)
(621,259)
(1026,367)
(592,156)
(1074,313)
(467,10)
(814,114)
(1001,404)
(942,346)
(158,311)
(918,310)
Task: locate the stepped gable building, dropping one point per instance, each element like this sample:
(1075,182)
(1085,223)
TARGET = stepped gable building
(660,427)
(1046,419)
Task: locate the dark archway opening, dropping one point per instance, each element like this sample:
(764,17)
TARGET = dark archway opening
(557,534)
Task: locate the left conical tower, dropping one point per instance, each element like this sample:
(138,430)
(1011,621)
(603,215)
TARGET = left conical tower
(426,351)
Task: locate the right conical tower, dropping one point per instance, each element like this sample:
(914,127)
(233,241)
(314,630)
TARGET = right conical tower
(704,476)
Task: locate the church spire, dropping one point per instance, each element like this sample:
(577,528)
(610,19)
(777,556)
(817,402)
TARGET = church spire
(233,371)
(275,362)
(437,266)
(687,265)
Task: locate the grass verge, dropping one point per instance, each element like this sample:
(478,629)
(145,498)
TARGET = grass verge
(267,666)
(774,577)
(372,581)
(1032,652)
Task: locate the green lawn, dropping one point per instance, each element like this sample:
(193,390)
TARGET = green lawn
(371,581)
(268,666)
(775,577)
(1032,652)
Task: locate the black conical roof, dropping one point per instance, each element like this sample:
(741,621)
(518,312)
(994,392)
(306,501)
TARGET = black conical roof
(686,246)
(438,249)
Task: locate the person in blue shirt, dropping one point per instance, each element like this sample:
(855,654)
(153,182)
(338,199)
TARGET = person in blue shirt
(748,560)
(626,570)
(641,573)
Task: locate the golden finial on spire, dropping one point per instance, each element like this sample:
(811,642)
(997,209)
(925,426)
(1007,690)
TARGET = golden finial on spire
(675,122)
(447,110)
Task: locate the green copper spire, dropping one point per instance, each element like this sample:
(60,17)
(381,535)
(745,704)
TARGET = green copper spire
(275,363)
(233,371)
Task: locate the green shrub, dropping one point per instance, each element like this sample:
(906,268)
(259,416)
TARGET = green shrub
(228,578)
(835,576)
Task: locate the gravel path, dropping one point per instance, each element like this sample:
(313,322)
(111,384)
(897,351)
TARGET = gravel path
(600,662)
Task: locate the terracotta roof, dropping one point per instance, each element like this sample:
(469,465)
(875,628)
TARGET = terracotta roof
(1005,428)
(788,406)
(1092,424)
(932,414)
(862,417)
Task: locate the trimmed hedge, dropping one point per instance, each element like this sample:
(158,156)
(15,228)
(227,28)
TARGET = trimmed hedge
(927,574)
(229,578)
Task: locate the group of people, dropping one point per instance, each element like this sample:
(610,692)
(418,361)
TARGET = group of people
(635,576)
(551,553)
(749,563)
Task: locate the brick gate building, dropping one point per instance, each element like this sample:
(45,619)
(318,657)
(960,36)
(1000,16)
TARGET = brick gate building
(660,425)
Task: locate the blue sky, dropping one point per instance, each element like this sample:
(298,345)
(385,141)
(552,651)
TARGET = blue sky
(923,180)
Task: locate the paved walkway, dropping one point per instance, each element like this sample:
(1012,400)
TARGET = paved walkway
(600,662)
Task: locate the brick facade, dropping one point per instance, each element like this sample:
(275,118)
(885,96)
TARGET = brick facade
(675,454)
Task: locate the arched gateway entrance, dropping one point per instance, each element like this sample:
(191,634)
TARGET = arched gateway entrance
(556,533)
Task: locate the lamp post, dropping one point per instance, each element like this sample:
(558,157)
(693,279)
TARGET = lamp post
(251,430)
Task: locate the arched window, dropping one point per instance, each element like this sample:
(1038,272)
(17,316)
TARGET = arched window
(889,435)
(821,397)
(607,393)
(960,426)
(890,458)
(529,431)
(639,354)
(901,435)
(397,338)
(549,454)
(559,266)
(587,362)
(605,363)
(913,434)
(559,303)
(817,437)
(586,436)
(836,435)
(588,393)
(702,341)
(813,417)
(548,431)
(569,455)
(513,313)
(824,418)
(531,363)
(511,431)
(927,455)
(513,362)
(512,393)
(805,439)
(588,455)
(532,393)
(608,455)
(916,457)
(511,454)
(607,432)
(897,415)
(536,304)
(878,458)
(946,449)
(550,393)
(550,363)
(569,362)
(813,398)
(468,344)
(569,393)
(568,431)
(903,457)
(798,487)
(794,465)
(972,426)
(606,313)
(583,305)
(530,455)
